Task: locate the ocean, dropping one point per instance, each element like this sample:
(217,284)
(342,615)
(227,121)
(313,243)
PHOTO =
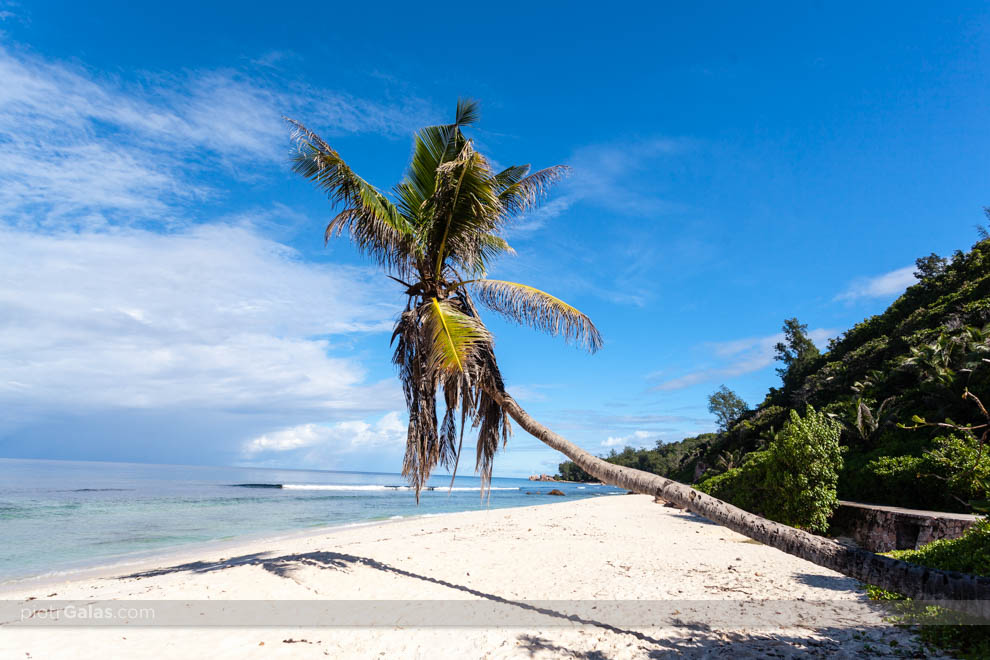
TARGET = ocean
(58,516)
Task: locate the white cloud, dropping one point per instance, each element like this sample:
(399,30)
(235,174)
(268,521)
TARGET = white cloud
(352,444)
(388,432)
(882,286)
(131,329)
(128,328)
(215,317)
(634,439)
(736,358)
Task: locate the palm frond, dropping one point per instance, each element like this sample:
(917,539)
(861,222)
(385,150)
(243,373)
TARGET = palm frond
(319,162)
(465,207)
(444,344)
(372,220)
(436,145)
(511,175)
(454,337)
(528,192)
(490,247)
(376,238)
(525,304)
(432,146)
(419,388)
(468,112)
(489,416)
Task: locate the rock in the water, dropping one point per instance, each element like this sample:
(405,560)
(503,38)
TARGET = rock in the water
(556,491)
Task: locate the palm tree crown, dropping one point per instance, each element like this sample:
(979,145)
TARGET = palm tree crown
(436,233)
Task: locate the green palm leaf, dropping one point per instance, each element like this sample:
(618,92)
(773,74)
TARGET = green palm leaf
(466,209)
(468,112)
(454,338)
(374,223)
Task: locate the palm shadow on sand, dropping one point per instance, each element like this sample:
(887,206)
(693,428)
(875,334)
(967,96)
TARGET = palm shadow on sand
(283,567)
(692,640)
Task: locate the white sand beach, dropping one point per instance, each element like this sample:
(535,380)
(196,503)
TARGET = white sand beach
(607,549)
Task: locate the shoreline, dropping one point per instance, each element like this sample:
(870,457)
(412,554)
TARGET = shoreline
(488,573)
(108,567)
(96,532)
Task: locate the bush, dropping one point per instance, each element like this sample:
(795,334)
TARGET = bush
(794,479)
(899,479)
(569,471)
(962,465)
(968,554)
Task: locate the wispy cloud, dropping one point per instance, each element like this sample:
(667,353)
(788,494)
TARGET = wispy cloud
(531,393)
(82,147)
(603,175)
(882,286)
(648,421)
(736,358)
(7,12)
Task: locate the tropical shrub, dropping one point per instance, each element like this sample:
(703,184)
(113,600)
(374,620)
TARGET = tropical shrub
(794,479)
(961,464)
(897,478)
(968,554)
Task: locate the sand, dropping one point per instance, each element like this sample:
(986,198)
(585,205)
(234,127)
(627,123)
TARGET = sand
(608,550)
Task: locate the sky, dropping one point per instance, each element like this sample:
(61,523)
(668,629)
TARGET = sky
(166,295)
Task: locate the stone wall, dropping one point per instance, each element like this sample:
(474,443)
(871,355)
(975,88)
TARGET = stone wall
(885,528)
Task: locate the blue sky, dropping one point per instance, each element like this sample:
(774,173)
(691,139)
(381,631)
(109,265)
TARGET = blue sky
(165,295)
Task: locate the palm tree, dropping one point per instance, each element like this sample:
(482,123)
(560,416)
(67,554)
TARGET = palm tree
(436,234)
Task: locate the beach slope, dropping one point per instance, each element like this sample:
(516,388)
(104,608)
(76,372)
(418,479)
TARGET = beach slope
(546,569)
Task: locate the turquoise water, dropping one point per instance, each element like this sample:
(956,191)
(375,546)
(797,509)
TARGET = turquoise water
(62,515)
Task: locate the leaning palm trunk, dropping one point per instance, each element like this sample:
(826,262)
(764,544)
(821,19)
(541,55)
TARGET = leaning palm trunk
(894,575)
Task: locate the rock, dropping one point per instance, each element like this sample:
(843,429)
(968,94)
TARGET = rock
(555,491)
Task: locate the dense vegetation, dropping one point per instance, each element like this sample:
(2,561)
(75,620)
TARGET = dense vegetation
(905,388)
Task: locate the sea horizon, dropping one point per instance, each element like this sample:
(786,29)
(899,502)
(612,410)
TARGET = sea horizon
(107,512)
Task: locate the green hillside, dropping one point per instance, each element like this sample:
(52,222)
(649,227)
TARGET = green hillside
(915,361)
